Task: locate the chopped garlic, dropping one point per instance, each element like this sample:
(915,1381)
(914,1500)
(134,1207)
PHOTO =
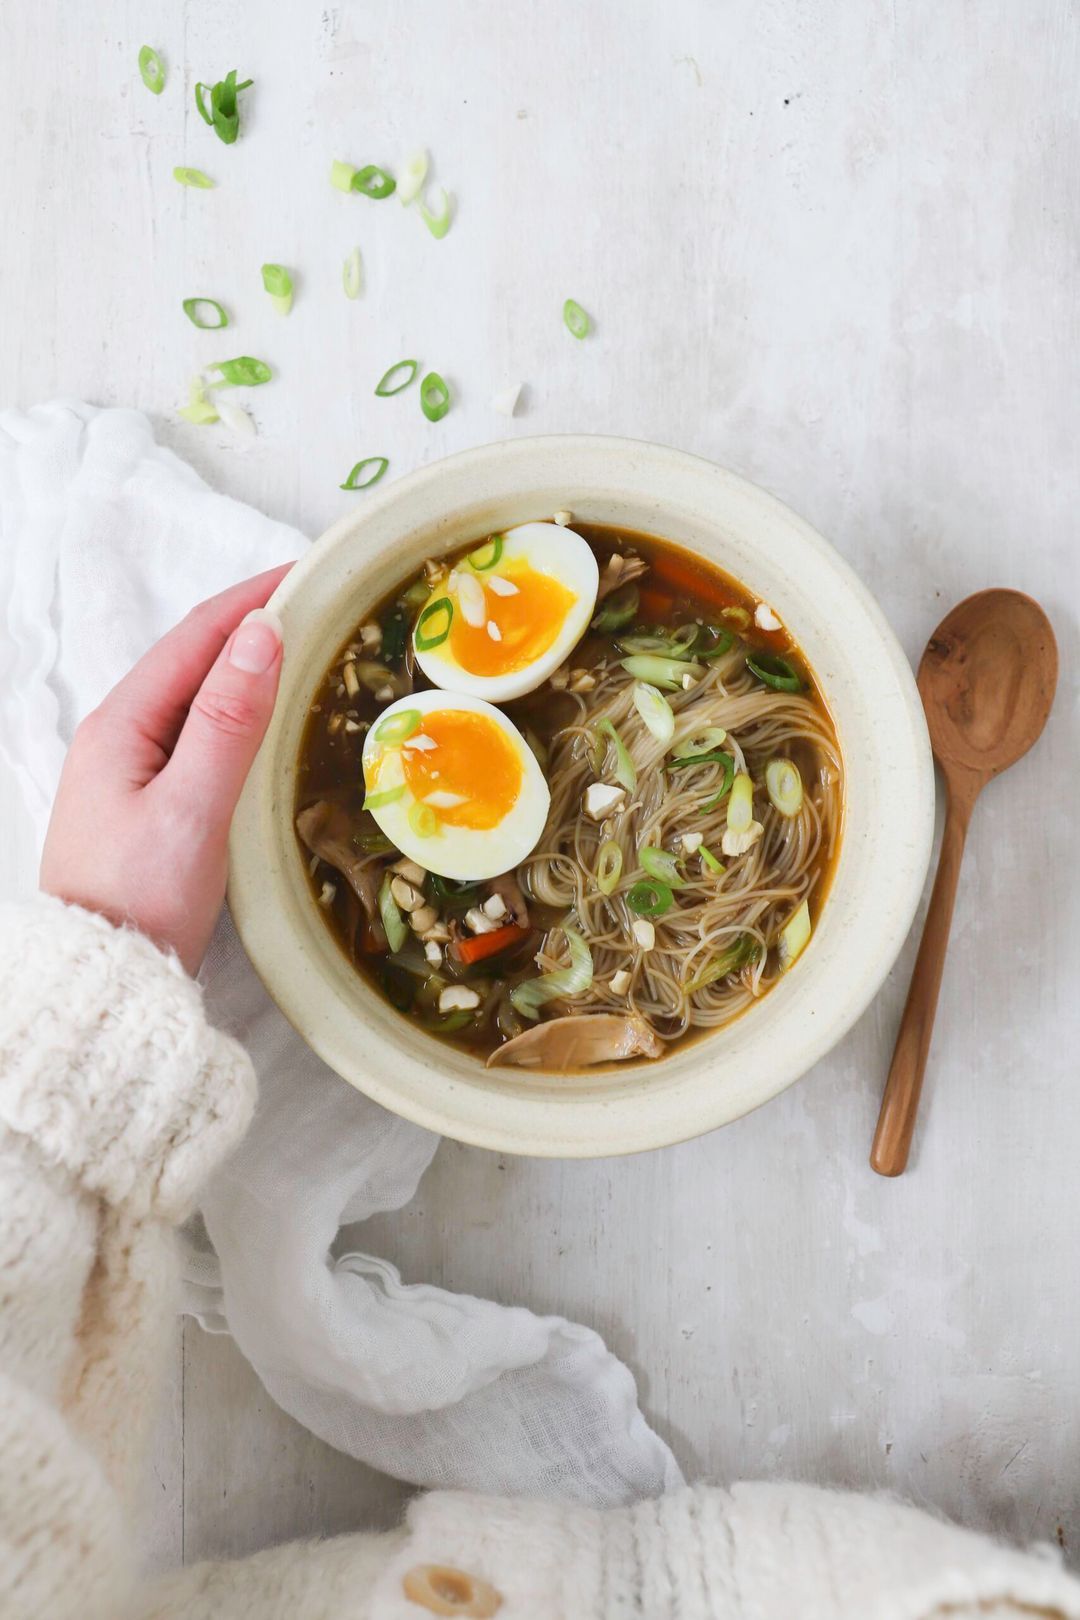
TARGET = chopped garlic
(581,680)
(505,402)
(351,678)
(502,587)
(602,800)
(327,893)
(687,681)
(493,630)
(443,799)
(494,906)
(411,871)
(620,983)
(477,922)
(560,679)
(562,517)
(691,842)
(737,842)
(423,918)
(406,896)
(458,998)
(765,618)
(645,933)
(433,570)
(383,694)
(353,726)
(433,952)
(421,741)
(470,594)
(438,933)
(371,635)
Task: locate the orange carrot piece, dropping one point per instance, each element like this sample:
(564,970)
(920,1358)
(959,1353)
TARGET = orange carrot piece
(483,945)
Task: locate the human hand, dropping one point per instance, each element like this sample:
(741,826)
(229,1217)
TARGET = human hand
(139,830)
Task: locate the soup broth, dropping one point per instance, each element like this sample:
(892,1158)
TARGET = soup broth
(660,907)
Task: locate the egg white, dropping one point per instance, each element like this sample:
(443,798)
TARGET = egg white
(549,549)
(462,853)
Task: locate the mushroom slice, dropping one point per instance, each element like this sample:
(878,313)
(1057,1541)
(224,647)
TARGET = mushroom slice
(620,571)
(327,831)
(508,888)
(580,1040)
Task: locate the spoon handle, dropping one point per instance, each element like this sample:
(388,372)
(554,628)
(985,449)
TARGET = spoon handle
(900,1103)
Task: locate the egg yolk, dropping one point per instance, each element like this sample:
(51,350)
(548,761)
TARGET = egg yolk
(474,759)
(526,623)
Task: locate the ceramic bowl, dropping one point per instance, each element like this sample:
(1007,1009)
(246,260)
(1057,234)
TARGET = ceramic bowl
(887,826)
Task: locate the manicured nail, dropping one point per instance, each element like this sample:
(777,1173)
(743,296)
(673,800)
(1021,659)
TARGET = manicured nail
(256,643)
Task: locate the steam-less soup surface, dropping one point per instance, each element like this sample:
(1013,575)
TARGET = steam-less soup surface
(569,796)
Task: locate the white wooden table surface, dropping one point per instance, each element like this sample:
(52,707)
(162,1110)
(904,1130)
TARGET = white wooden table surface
(834,247)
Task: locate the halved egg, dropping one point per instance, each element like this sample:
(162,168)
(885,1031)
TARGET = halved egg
(454,785)
(509,613)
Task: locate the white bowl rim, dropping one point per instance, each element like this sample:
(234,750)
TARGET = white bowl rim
(629,1111)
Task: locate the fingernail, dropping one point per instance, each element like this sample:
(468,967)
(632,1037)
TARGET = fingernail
(256,642)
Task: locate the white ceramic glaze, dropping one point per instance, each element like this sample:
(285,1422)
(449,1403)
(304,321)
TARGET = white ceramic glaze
(888,816)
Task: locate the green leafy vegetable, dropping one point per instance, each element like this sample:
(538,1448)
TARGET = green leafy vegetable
(373,182)
(433,625)
(650,898)
(437,219)
(725,786)
(388,384)
(529,997)
(356,479)
(279,284)
(774,671)
(575,318)
(194,177)
(243,372)
(194,309)
(434,397)
(223,114)
(152,70)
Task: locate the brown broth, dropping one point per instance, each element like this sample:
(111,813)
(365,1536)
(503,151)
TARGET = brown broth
(679,586)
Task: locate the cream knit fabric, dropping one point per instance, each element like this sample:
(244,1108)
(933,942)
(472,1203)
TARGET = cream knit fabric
(116,1100)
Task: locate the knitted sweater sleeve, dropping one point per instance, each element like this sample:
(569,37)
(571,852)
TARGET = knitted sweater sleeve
(116,1099)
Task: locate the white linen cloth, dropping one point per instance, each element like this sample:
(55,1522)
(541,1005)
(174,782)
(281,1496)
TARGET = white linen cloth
(106,539)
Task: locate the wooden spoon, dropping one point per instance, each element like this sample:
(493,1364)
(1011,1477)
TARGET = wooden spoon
(987,681)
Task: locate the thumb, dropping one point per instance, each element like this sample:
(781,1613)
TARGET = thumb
(227,719)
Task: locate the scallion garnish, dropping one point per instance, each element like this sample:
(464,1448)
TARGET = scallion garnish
(423,820)
(356,479)
(620,608)
(711,861)
(373,182)
(397,728)
(744,949)
(625,772)
(397,929)
(575,318)
(433,625)
(375,801)
(236,419)
(151,70)
(722,642)
(666,673)
(529,997)
(660,863)
(737,615)
(701,743)
(194,310)
(774,671)
(413,174)
(725,787)
(388,384)
(199,409)
(223,114)
(279,284)
(609,864)
(794,936)
(650,898)
(698,759)
(434,397)
(341,175)
(784,786)
(243,372)
(488,555)
(194,177)
(437,219)
(655,711)
(352,274)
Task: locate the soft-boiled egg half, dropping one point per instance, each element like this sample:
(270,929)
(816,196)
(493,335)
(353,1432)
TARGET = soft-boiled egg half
(509,613)
(454,785)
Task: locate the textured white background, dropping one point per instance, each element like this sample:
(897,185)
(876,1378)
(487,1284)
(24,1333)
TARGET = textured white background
(831,244)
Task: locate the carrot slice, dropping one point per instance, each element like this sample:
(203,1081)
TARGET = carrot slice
(656,608)
(482,945)
(688,580)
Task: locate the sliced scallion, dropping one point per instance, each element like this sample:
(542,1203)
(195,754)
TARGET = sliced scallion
(223,115)
(794,936)
(737,615)
(744,949)
(397,929)
(666,673)
(784,786)
(625,772)
(397,728)
(710,758)
(437,219)
(433,625)
(575,319)
(618,609)
(352,274)
(488,555)
(373,182)
(375,801)
(740,810)
(236,419)
(434,397)
(715,646)
(417,594)
(702,742)
(341,174)
(194,309)
(774,671)
(645,641)
(279,284)
(711,861)
(356,479)
(655,711)
(660,863)
(151,70)
(609,864)
(412,176)
(650,898)
(529,997)
(199,409)
(194,177)
(423,820)
(243,372)
(399,376)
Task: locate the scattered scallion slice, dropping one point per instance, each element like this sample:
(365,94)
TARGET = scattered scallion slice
(774,671)
(685,639)
(412,176)
(660,863)
(389,383)
(645,641)
(737,615)
(529,997)
(194,177)
(702,742)
(279,284)
(223,115)
(625,772)
(794,936)
(341,174)
(199,409)
(417,594)
(397,728)
(650,898)
(609,864)
(356,479)
(710,758)
(375,801)
(740,810)
(423,820)
(725,786)
(784,786)
(151,70)
(618,609)
(243,372)
(745,949)
(434,397)
(352,274)
(711,861)
(488,555)
(437,219)
(576,321)
(236,419)
(374,182)
(655,711)
(721,642)
(433,625)
(193,308)
(666,673)
(397,929)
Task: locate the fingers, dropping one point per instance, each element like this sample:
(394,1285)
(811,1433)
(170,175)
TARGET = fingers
(145,711)
(225,724)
